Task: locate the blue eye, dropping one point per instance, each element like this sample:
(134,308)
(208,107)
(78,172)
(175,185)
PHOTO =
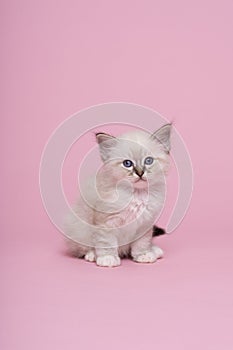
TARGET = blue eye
(127,163)
(148,160)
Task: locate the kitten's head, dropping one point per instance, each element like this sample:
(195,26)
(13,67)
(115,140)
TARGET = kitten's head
(137,156)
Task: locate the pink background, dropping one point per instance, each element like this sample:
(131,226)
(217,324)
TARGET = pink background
(59,57)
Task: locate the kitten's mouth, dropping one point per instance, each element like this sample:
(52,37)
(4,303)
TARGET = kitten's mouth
(140,183)
(140,179)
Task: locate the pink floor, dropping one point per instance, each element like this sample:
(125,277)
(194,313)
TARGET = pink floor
(59,57)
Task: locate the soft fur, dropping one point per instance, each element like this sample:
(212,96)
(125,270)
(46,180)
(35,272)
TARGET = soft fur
(115,214)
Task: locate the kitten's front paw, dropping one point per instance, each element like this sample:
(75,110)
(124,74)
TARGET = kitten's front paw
(108,261)
(158,251)
(90,256)
(150,256)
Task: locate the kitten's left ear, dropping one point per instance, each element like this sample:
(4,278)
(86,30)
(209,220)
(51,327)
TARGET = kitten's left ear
(163,136)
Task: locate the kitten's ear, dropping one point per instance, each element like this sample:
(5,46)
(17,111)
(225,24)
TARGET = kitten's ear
(106,143)
(163,136)
(102,137)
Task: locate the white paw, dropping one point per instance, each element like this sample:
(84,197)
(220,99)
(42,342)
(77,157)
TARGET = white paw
(90,256)
(108,260)
(158,251)
(150,256)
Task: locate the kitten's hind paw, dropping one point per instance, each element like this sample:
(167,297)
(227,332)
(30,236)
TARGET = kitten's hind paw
(90,256)
(108,261)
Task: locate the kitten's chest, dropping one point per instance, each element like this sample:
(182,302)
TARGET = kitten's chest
(135,208)
(139,209)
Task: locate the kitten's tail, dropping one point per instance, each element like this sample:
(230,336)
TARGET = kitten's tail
(157,231)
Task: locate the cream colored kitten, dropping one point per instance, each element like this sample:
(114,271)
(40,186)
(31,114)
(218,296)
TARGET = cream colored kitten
(116,212)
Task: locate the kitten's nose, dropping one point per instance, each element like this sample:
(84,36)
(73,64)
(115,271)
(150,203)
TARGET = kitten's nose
(139,171)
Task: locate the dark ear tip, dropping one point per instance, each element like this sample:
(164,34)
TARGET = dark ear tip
(103,133)
(102,136)
(168,125)
(99,134)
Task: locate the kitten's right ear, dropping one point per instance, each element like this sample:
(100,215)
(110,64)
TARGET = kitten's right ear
(102,137)
(106,143)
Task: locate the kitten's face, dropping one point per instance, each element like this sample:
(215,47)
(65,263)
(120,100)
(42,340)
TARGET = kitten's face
(137,156)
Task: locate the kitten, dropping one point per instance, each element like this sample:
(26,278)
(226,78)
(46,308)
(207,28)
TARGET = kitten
(117,210)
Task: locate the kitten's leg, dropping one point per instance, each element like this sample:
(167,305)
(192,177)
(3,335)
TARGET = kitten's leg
(107,251)
(144,251)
